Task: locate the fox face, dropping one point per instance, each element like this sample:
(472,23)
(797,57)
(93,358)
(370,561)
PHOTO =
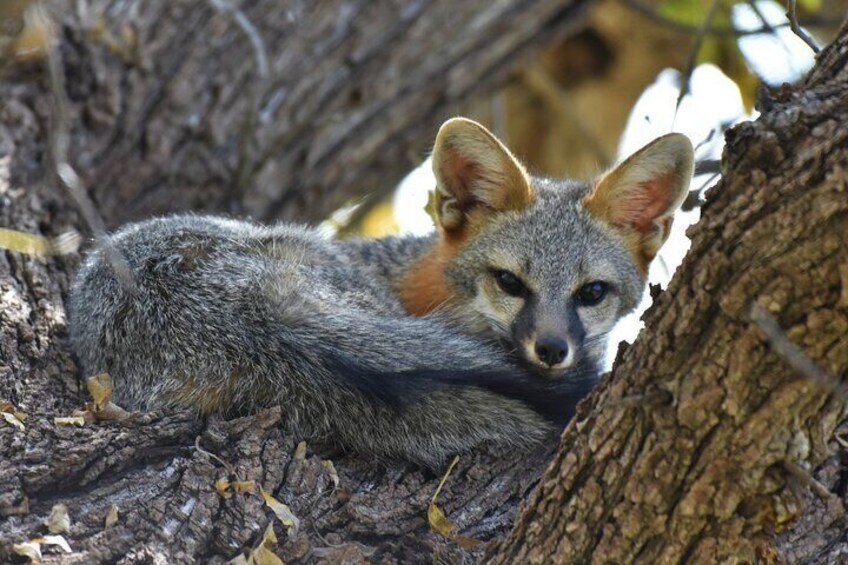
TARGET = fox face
(544,266)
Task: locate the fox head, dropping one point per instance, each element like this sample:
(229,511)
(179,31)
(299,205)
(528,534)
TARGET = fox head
(545,266)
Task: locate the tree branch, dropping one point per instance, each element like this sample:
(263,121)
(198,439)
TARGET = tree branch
(796,27)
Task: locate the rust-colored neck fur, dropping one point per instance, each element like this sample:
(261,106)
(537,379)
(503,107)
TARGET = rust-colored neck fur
(424,287)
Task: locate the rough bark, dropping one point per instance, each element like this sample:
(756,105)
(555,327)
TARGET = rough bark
(354,94)
(707,439)
(159,92)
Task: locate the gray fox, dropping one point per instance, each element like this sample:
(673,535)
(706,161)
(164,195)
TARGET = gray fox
(489,330)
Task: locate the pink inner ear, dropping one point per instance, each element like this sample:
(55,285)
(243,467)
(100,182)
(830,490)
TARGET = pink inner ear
(459,172)
(648,202)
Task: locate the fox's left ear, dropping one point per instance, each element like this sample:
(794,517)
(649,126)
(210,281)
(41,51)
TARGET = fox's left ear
(476,175)
(640,196)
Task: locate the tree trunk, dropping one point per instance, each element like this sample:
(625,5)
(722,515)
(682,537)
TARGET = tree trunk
(714,431)
(688,439)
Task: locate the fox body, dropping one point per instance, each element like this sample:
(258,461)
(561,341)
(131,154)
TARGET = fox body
(489,330)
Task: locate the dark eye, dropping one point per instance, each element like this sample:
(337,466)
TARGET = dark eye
(509,283)
(591,293)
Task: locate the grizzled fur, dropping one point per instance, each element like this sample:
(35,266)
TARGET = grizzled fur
(231,316)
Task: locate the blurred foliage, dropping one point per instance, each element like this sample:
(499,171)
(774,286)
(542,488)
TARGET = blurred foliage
(380,222)
(563,112)
(692,12)
(26,32)
(721,46)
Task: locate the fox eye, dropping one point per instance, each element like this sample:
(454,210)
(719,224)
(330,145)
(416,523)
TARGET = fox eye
(591,294)
(509,283)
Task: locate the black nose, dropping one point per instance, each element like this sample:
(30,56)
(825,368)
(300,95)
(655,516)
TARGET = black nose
(551,350)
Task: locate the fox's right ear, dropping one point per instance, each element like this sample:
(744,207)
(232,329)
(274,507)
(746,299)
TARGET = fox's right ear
(476,175)
(640,196)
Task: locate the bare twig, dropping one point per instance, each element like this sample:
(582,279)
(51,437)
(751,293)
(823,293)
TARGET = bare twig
(707,166)
(228,466)
(752,4)
(796,28)
(794,355)
(66,176)
(710,167)
(250,30)
(697,42)
(804,477)
(683,27)
(707,139)
(693,200)
(260,55)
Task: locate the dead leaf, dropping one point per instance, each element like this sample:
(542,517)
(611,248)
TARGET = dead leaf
(283,512)
(226,488)
(331,470)
(223,488)
(15,417)
(58,522)
(37,36)
(264,554)
(55,540)
(300,451)
(77,421)
(13,420)
(100,389)
(32,548)
(111,517)
(28,549)
(87,415)
(440,524)
(102,409)
(244,487)
(38,245)
(112,412)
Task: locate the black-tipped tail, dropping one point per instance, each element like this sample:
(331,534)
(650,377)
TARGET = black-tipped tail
(553,398)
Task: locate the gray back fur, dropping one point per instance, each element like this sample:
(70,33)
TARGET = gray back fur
(231,316)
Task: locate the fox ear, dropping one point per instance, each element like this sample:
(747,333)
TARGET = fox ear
(475,172)
(640,196)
